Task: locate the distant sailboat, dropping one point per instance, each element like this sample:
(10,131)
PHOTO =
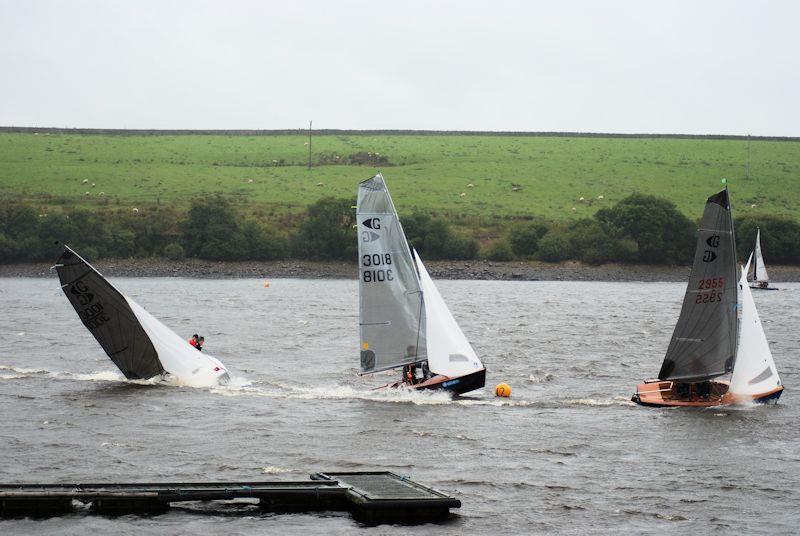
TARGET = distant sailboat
(141,346)
(714,358)
(403,320)
(760,278)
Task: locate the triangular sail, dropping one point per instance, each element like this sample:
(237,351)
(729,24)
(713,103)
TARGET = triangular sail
(140,345)
(703,344)
(449,352)
(391,309)
(107,315)
(755,371)
(759,268)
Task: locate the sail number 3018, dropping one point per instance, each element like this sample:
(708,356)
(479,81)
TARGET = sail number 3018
(376,274)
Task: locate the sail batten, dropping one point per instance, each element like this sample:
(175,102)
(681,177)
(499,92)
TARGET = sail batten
(703,344)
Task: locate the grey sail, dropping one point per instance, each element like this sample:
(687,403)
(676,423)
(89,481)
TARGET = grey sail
(703,344)
(107,316)
(392,313)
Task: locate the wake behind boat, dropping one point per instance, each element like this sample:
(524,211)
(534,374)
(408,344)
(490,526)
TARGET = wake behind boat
(714,358)
(760,279)
(141,346)
(403,320)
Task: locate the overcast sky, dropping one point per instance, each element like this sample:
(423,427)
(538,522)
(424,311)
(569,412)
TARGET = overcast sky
(728,67)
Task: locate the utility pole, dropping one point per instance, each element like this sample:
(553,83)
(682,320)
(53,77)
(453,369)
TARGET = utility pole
(309,145)
(747,169)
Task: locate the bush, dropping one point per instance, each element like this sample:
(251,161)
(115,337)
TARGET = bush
(264,243)
(327,232)
(556,245)
(662,234)
(174,251)
(524,238)
(435,239)
(211,231)
(500,250)
(780,238)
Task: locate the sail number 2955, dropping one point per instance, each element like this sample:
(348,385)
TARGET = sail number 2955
(376,264)
(716,285)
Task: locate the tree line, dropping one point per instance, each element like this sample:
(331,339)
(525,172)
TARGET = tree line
(639,229)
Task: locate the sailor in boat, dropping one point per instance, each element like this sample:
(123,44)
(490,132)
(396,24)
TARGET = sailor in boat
(200,342)
(193,340)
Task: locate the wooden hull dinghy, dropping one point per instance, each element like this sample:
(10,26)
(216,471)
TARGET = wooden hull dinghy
(718,354)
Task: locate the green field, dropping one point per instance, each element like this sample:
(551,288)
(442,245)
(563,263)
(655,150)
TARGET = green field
(510,176)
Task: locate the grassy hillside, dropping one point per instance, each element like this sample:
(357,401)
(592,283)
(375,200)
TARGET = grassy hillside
(510,176)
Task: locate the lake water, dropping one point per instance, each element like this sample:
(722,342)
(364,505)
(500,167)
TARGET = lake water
(568,453)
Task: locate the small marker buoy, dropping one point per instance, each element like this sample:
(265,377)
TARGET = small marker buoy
(503,390)
(266,283)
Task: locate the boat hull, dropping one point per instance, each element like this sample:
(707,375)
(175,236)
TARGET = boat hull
(663,394)
(756,287)
(458,385)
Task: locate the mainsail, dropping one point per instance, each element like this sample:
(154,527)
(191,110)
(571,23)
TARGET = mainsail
(107,315)
(703,344)
(140,345)
(391,308)
(449,352)
(759,269)
(755,370)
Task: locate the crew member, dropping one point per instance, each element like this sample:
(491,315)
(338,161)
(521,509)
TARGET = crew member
(193,340)
(200,342)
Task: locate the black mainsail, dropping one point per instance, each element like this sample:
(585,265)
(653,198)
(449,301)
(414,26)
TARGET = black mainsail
(703,345)
(107,315)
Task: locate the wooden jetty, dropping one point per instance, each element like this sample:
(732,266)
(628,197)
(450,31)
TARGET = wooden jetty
(372,497)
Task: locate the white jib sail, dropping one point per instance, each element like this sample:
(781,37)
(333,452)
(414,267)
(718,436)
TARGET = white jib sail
(754,372)
(186,364)
(449,351)
(760,270)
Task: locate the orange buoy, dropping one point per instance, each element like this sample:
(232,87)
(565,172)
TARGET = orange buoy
(503,390)
(266,283)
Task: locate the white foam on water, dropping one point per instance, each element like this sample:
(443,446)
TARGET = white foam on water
(272,470)
(616,401)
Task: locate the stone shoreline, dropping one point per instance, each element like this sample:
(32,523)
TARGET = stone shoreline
(486,270)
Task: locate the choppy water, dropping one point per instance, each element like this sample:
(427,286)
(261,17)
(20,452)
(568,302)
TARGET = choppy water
(567,454)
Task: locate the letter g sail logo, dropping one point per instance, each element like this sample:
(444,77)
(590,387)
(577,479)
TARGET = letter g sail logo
(372,223)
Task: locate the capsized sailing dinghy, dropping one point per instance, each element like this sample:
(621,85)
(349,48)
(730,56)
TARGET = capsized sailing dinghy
(760,279)
(403,320)
(714,358)
(141,346)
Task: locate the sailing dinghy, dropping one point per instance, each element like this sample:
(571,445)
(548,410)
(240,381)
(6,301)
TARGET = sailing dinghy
(141,346)
(403,320)
(714,358)
(760,278)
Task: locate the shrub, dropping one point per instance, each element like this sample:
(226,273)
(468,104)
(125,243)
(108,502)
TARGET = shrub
(211,231)
(264,243)
(500,250)
(434,238)
(524,238)
(556,245)
(661,233)
(780,238)
(174,251)
(327,232)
